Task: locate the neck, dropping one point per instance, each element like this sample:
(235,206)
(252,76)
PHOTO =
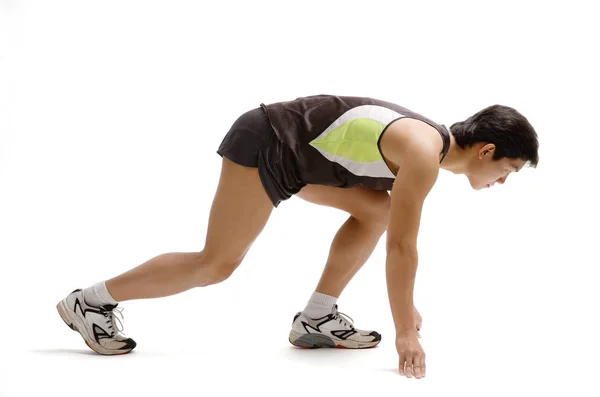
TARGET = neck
(457,159)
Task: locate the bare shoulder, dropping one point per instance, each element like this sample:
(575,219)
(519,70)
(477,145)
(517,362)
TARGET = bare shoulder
(413,147)
(411,141)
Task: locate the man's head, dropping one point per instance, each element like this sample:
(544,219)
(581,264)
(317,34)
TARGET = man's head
(500,141)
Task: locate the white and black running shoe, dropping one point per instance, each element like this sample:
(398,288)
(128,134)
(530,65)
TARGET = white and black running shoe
(100,327)
(333,330)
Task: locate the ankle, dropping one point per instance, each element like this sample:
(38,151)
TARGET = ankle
(319,305)
(97,295)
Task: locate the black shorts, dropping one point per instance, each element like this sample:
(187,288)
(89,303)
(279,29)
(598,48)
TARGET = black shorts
(252,142)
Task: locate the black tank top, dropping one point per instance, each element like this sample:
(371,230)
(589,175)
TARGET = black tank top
(334,140)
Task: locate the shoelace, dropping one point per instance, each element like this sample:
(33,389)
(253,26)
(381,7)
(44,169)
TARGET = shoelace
(346,319)
(115,320)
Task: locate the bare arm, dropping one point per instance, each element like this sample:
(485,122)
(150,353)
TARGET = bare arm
(417,156)
(414,147)
(412,185)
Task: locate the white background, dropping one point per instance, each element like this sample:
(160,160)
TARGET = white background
(110,116)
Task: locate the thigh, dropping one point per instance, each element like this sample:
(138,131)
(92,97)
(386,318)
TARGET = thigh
(239,212)
(360,202)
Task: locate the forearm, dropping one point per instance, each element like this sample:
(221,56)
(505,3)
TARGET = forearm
(401,269)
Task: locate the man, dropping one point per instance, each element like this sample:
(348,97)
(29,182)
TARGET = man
(342,152)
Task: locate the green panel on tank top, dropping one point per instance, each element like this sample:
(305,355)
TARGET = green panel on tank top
(355,140)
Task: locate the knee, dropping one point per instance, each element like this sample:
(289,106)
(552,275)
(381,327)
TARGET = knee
(212,269)
(220,271)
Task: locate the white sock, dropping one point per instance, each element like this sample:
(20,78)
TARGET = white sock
(319,305)
(97,295)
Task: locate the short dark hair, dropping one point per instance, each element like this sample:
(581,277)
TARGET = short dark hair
(503,126)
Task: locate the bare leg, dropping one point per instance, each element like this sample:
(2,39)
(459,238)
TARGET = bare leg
(355,241)
(239,213)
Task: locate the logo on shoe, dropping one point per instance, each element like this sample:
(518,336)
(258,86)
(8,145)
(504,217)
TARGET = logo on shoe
(99,332)
(314,326)
(343,334)
(83,312)
(310,324)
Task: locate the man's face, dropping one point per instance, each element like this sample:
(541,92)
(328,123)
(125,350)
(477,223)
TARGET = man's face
(484,172)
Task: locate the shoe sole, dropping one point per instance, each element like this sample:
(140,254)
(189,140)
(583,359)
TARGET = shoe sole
(76,324)
(316,341)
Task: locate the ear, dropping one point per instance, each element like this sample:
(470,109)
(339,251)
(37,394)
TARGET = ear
(486,150)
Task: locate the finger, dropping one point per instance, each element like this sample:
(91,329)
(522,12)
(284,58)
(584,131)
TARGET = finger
(401,364)
(419,365)
(409,367)
(417,368)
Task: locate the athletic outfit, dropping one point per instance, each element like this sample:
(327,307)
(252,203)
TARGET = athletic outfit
(322,139)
